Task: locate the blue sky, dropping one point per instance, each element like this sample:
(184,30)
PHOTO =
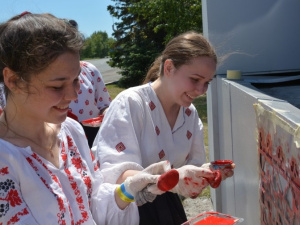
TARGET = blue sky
(91,15)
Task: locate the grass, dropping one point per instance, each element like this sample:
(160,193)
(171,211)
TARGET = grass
(201,106)
(114,90)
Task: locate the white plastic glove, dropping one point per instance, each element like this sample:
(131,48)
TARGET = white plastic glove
(192,180)
(145,179)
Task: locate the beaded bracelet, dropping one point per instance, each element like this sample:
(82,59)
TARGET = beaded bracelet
(125,196)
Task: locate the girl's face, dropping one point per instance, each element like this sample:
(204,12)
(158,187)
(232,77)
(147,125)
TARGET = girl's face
(52,90)
(191,80)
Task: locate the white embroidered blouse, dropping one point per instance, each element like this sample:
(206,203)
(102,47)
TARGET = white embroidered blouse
(135,133)
(92,96)
(34,191)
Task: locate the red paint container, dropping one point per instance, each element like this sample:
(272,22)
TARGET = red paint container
(220,164)
(213,218)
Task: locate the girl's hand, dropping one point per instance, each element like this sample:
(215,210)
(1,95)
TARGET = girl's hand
(192,180)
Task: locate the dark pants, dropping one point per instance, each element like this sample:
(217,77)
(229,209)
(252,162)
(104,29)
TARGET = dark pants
(90,133)
(166,209)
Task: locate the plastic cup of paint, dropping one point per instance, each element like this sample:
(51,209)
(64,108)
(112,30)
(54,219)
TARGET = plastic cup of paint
(209,218)
(221,164)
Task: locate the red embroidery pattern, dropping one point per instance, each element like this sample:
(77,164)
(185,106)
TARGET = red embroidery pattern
(96,166)
(77,162)
(188,112)
(4,171)
(161,154)
(152,106)
(188,135)
(56,180)
(157,130)
(64,155)
(15,218)
(9,195)
(13,198)
(120,147)
(79,199)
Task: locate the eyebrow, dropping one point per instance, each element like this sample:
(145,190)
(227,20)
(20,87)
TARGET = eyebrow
(59,79)
(204,77)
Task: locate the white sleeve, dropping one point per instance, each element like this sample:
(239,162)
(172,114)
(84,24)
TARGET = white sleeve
(106,211)
(117,142)
(102,96)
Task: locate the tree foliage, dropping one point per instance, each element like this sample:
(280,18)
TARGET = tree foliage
(145,27)
(97,45)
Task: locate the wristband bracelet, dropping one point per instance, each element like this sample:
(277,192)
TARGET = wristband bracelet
(125,196)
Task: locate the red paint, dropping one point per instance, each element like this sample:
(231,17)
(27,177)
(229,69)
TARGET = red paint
(94,122)
(187,180)
(222,163)
(214,220)
(168,180)
(216,181)
(219,164)
(279,160)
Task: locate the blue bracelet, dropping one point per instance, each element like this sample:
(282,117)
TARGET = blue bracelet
(125,192)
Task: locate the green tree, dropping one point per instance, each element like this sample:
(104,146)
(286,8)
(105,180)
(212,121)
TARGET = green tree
(144,28)
(172,16)
(97,46)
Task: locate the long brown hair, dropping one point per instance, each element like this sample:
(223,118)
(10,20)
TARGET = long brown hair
(31,42)
(181,50)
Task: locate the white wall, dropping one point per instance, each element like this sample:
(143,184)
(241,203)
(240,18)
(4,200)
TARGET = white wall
(261,34)
(266,35)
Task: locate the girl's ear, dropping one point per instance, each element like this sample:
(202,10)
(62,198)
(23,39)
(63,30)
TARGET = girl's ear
(10,79)
(168,67)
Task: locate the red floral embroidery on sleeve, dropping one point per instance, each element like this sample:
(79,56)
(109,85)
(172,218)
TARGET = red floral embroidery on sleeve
(13,198)
(10,198)
(16,218)
(4,171)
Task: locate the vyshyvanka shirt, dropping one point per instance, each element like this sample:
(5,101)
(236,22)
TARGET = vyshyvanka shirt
(92,96)
(34,191)
(136,133)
